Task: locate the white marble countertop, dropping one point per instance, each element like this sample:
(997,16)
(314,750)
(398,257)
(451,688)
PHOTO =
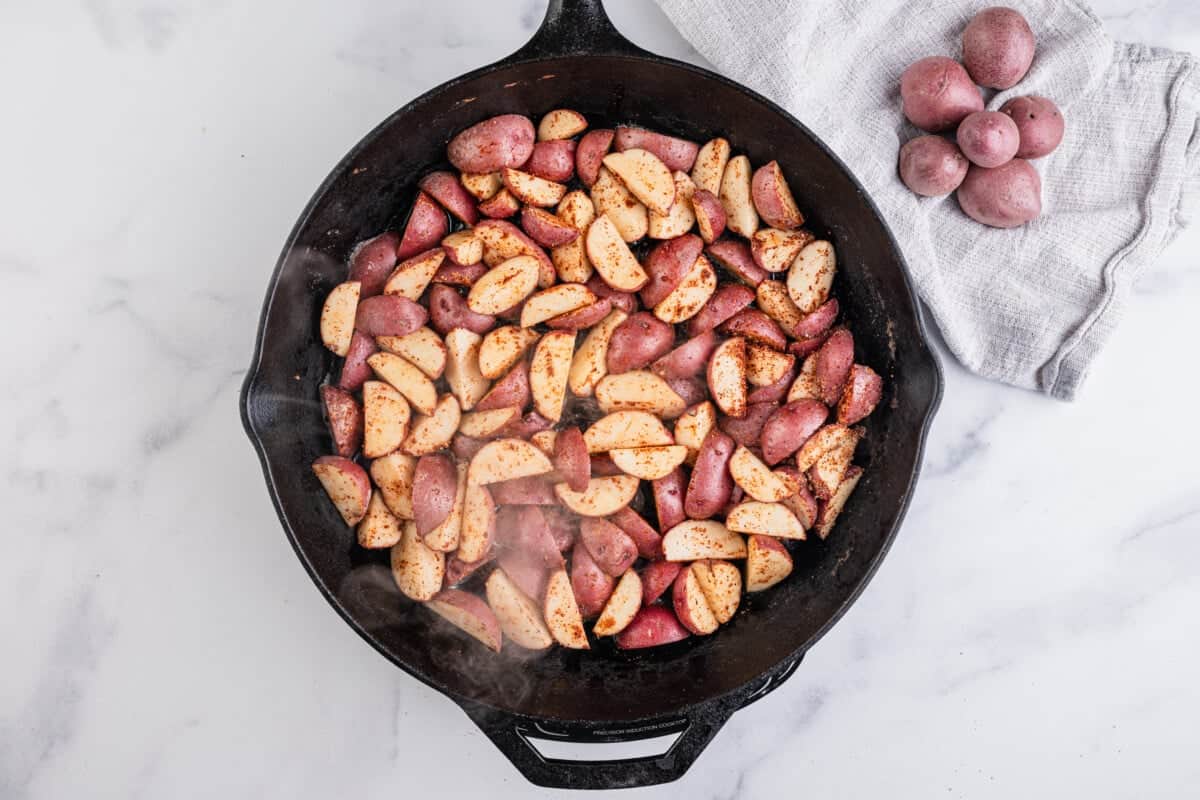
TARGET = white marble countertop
(1033,634)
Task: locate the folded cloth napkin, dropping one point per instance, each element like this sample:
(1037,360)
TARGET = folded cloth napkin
(1031,306)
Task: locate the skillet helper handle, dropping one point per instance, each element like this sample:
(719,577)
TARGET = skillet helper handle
(575,27)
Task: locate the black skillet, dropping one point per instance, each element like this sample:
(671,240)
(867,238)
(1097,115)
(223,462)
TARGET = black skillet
(578,60)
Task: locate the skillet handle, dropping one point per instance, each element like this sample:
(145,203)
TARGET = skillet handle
(574,27)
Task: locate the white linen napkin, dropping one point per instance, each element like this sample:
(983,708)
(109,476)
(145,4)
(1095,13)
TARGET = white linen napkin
(1031,306)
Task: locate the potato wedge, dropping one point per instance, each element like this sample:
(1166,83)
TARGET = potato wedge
(337,317)
(422,348)
(864,388)
(344,418)
(486,424)
(612,258)
(503,347)
(765,366)
(612,199)
(740,216)
(445,537)
(810,278)
(649,463)
(832,508)
(622,606)
(768,519)
(561,123)
(463,248)
(693,425)
(347,485)
(833,436)
(385,419)
(413,276)
(727,376)
(355,371)
(561,611)
(481,185)
(435,489)
(372,261)
(806,386)
(546,228)
(675,153)
(503,240)
(767,563)
(773,199)
(710,165)
(691,606)
(462,367)
(417,570)
(590,363)
(774,250)
(657,577)
(571,260)
(561,298)
(589,154)
(775,301)
(624,429)
(680,218)
(548,372)
(788,428)
(469,614)
(721,583)
(694,539)
(504,286)
(645,176)
(519,615)
(532,190)
(502,206)
(830,469)
(756,478)
(407,379)
(478,523)
(638,390)
(802,503)
(653,626)
(433,432)
(686,299)
(393,475)
(603,496)
(506,460)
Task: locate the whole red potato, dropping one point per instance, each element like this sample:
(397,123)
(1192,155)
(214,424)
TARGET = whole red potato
(932,166)
(1039,123)
(998,47)
(1003,197)
(938,93)
(988,138)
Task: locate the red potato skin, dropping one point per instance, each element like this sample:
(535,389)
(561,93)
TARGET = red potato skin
(545,228)
(610,547)
(677,154)
(529,576)
(864,388)
(502,206)
(711,484)
(459,274)
(553,160)
(510,391)
(786,430)
(819,321)
(449,310)
(372,261)
(638,342)
(747,430)
(592,585)
(389,315)
(932,166)
(524,530)
(988,138)
(427,226)
(626,301)
(667,264)
(1039,123)
(657,577)
(464,448)
(805,347)
(563,526)
(691,390)
(581,318)
(458,570)
(435,484)
(355,370)
(998,47)
(527,426)
(687,360)
(1004,197)
(937,93)
(589,155)
(477,608)
(777,390)
(492,145)
(571,459)
(603,466)
(804,496)
(668,499)
(531,248)
(345,419)
(707,206)
(725,302)
(443,186)
(653,626)
(756,327)
(773,198)
(834,360)
(735,256)
(647,540)
(532,490)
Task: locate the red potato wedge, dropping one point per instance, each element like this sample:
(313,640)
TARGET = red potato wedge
(462,249)
(344,416)
(693,426)
(656,578)
(427,225)
(773,198)
(481,186)
(710,164)
(531,423)
(445,537)
(511,391)
(691,295)
(490,146)
(523,530)
(652,627)
(647,540)
(612,199)
(571,259)
(562,298)
(532,190)
(801,502)
(389,315)
(386,418)
(669,493)
(818,322)
(688,359)
(832,508)
(501,206)
(571,459)
(756,478)
(830,469)
(767,519)
(393,475)
(740,214)
(502,240)
(691,606)
(417,570)
(593,586)
(747,430)
(487,424)
(422,348)
(693,390)
(787,429)
(756,327)
(638,390)
(548,372)
(680,218)
(589,155)
(725,303)
(774,250)
(371,262)
(649,463)
(721,583)
(676,154)
(519,616)
(709,215)
(613,550)
(765,366)
(404,377)
(667,265)
(464,448)
(624,429)
(767,562)
(338,317)
(545,228)
(802,348)
(626,301)
(645,176)
(347,485)
(469,614)
(443,186)
(581,318)
(561,611)
(806,386)
(834,362)
(413,275)
(612,258)
(502,348)
(535,490)
(622,606)
(736,257)
(544,441)
(727,376)
(777,391)
(810,278)
(564,526)
(864,388)
(525,574)
(457,571)
(561,123)
(603,496)
(637,342)
(504,286)
(832,437)
(355,370)
(506,460)
(434,490)
(552,161)
(449,310)
(478,524)
(710,485)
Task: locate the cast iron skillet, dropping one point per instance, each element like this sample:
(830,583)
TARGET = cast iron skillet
(578,60)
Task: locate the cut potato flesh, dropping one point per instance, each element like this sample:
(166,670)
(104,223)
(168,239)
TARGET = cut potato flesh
(765,366)
(834,505)
(486,424)
(612,258)
(686,299)
(571,260)
(693,425)
(393,475)
(519,615)
(638,390)
(561,123)
(562,612)
(727,376)
(462,367)
(612,199)
(767,563)
(625,429)
(590,363)
(478,523)
(417,569)
(544,441)
(831,437)
(774,249)
(434,432)
(482,185)
(337,317)
(680,218)
(548,372)
(469,614)
(407,379)
(412,277)
(740,214)
(810,277)
(622,606)
(506,460)
(423,348)
(559,299)
(768,519)
(385,419)
(710,165)
(694,539)
(532,190)
(776,302)
(504,285)
(649,463)
(721,583)
(756,478)
(691,606)
(645,176)
(806,386)
(379,528)
(602,497)
(503,347)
